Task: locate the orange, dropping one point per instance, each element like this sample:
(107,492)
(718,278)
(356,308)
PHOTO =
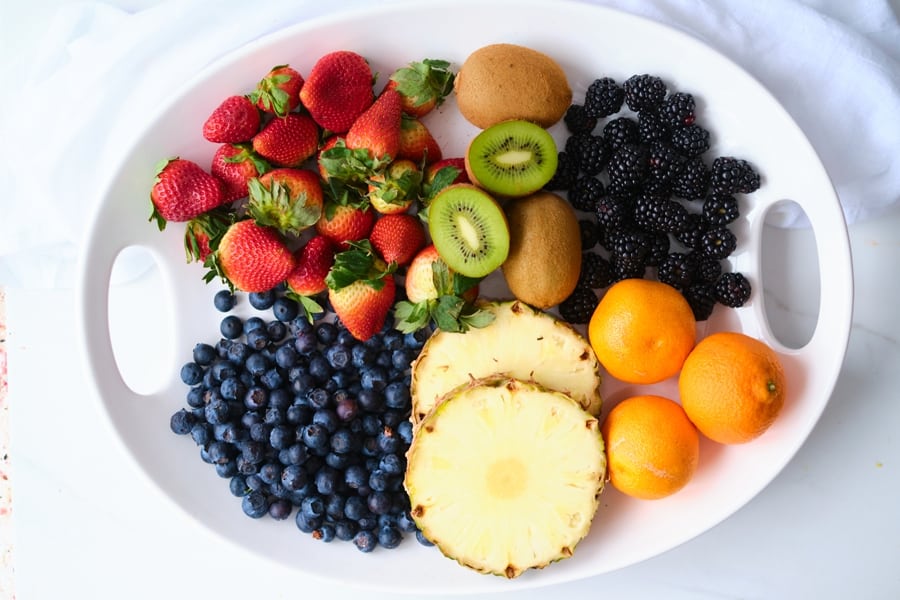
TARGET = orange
(732,387)
(652,448)
(642,330)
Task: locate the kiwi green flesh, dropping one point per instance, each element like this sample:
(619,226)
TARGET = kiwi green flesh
(513,158)
(469,230)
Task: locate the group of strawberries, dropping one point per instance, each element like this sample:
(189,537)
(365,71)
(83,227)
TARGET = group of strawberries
(322,185)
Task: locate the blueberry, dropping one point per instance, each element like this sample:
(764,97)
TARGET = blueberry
(253,451)
(344,379)
(285,309)
(245,467)
(300,324)
(250,418)
(204,354)
(324,533)
(345,338)
(392,339)
(219,451)
(224,300)
(370,400)
(273,416)
(281,437)
(293,477)
(338,461)
(222,370)
(280,509)
(272,379)
(254,323)
(254,483)
(256,397)
(420,537)
(298,414)
(319,367)
(405,430)
(402,357)
(232,389)
(396,395)
(356,476)
(257,339)
(393,418)
(312,507)
(238,353)
(373,378)
(255,505)
(326,418)
(231,327)
(327,481)
(326,332)
(355,508)
(334,506)
(226,470)
(196,397)
(216,412)
(384,359)
(318,398)
(314,436)
(305,342)
(182,422)
(276,331)
(238,486)
(286,356)
(344,441)
(261,300)
(372,425)
(389,537)
(391,464)
(338,357)
(416,339)
(346,409)
(405,522)
(361,356)
(200,434)
(301,381)
(270,473)
(307,524)
(256,364)
(379,481)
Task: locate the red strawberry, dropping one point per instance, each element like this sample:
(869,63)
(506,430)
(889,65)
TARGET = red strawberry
(423,85)
(417,143)
(182,190)
(234,121)
(279,91)
(361,290)
(287,141)
(378,129)
(397,238)
(251,257)
(457,163)
(313,262)
(344,223)
(202,234)
(290,200)
(329,143)
(420,284)
(338,90)
(235,165)
(396,188)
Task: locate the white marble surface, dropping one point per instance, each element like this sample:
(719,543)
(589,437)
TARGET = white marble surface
(87,526)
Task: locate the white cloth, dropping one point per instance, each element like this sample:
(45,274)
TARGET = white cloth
(834,65)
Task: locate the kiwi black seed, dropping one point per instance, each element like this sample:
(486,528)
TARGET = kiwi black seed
(468,229)
(512,158)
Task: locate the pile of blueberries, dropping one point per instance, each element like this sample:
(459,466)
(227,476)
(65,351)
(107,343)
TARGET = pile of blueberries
(300,415)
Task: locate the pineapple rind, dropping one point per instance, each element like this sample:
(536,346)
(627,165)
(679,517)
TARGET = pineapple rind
(522,342)
(458,501)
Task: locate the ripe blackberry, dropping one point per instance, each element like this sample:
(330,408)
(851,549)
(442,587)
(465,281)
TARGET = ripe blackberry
(596,271)
(630,244)
(718,242)
(733,176)
(677,110)
(701,297)
(620,132)
(613,212)
(690,140)
(678,269)
(604,97)
(644,92)
(660,214)
(566,172)
(575,143)
(692,180)
(708,267)
(627,268)
(590,233)
(720,209)
(663,162)
(627,168)
(594,154)
(585,192)
(658,244)
(652,128)
(578,308)
(578,121)
(732,289)
(696,227)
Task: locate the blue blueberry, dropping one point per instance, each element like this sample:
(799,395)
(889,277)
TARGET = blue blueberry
(281,437)
(182,422)
(255,505)
(238,486)
(276,331)
(224,300)
(238,353)
(204,354)
(345,338)
(356,476)
(318,398)
(373,378)
(272,379)
(217,412)
(355,508)
(396,395)
(298,414)
(405,431)
(226,470)
(370,400)
(327,419)
(405,522)
(222,370)
(384,359)
(280,509)
(379,502)
(301,381)
(324,533)
(200,434)
(231,327)
(312,506)
(368,522)
(219,451)
(285,309)
(254,483)
(345,529)
(379,481)
(256,364)
(254,323)
(389,537)
(307,524)
(258,339)
(273,416)
(253,451)
(327,481)
(286,356)
(270,473)
(338,357)
(346,409)
(319,367)
(232,389)
(392,339)
(326,333)
(294,477)
(260,432)
(344,441)
(261,300)
(196,396)
(256,398)
(305,342)
(314,436)
(300,324)
(420,537)
(361,356)
(392,464)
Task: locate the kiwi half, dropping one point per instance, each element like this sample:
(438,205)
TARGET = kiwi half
(512,158)
(468,229)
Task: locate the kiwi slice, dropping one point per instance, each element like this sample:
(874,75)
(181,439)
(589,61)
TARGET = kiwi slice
(512,158)
(468,229)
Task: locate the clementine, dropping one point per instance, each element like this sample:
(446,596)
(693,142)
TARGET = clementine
(732,387)
(642,330)
(652,448)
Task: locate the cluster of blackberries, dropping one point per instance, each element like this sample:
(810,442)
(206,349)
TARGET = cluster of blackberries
(636,162)
(301,415)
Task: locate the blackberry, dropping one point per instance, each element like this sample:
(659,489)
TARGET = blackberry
(732,289)
(579,306)
(678,269)
(663,162)
(708,268)
(620,132)
(692,180)
(574,144)
(593,155)
(613,211)
(720,209)
(696,227)
(733,176)
(578,121)
(630,244)
(717,243)
(690,140)
(658,247)
(627,268)
(677,110)
(566,172)
(590,233)
(585,193)
(627,167)
(654,213)
(701,297)
(604,97)
(643,92)
(652,128)
(596,271)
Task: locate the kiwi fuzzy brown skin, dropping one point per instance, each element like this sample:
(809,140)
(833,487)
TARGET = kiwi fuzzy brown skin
(499,82)
(503,181)
(450,242)
(544,259)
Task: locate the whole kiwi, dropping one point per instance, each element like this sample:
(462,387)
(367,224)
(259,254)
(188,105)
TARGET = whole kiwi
(544,258)
(500,82)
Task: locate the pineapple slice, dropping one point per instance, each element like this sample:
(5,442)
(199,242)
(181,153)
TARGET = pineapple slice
(521,342)
(504,475)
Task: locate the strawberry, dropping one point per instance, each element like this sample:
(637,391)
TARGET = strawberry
(203,233)
(398,238)
(287,141)
(378,128)
(457,163)
(361,290)
(417,143)
(290,200)
(182,190)
(234,121)
(395,188)
(279,91)
(338,90)
(235,165)
(345,223)
(313,261)
(423,85)
(251,257)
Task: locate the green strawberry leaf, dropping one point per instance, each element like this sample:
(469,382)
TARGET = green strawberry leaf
(410,317)
(247,153)
(358,263)
(311,308)
(274,206)
(425,81)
